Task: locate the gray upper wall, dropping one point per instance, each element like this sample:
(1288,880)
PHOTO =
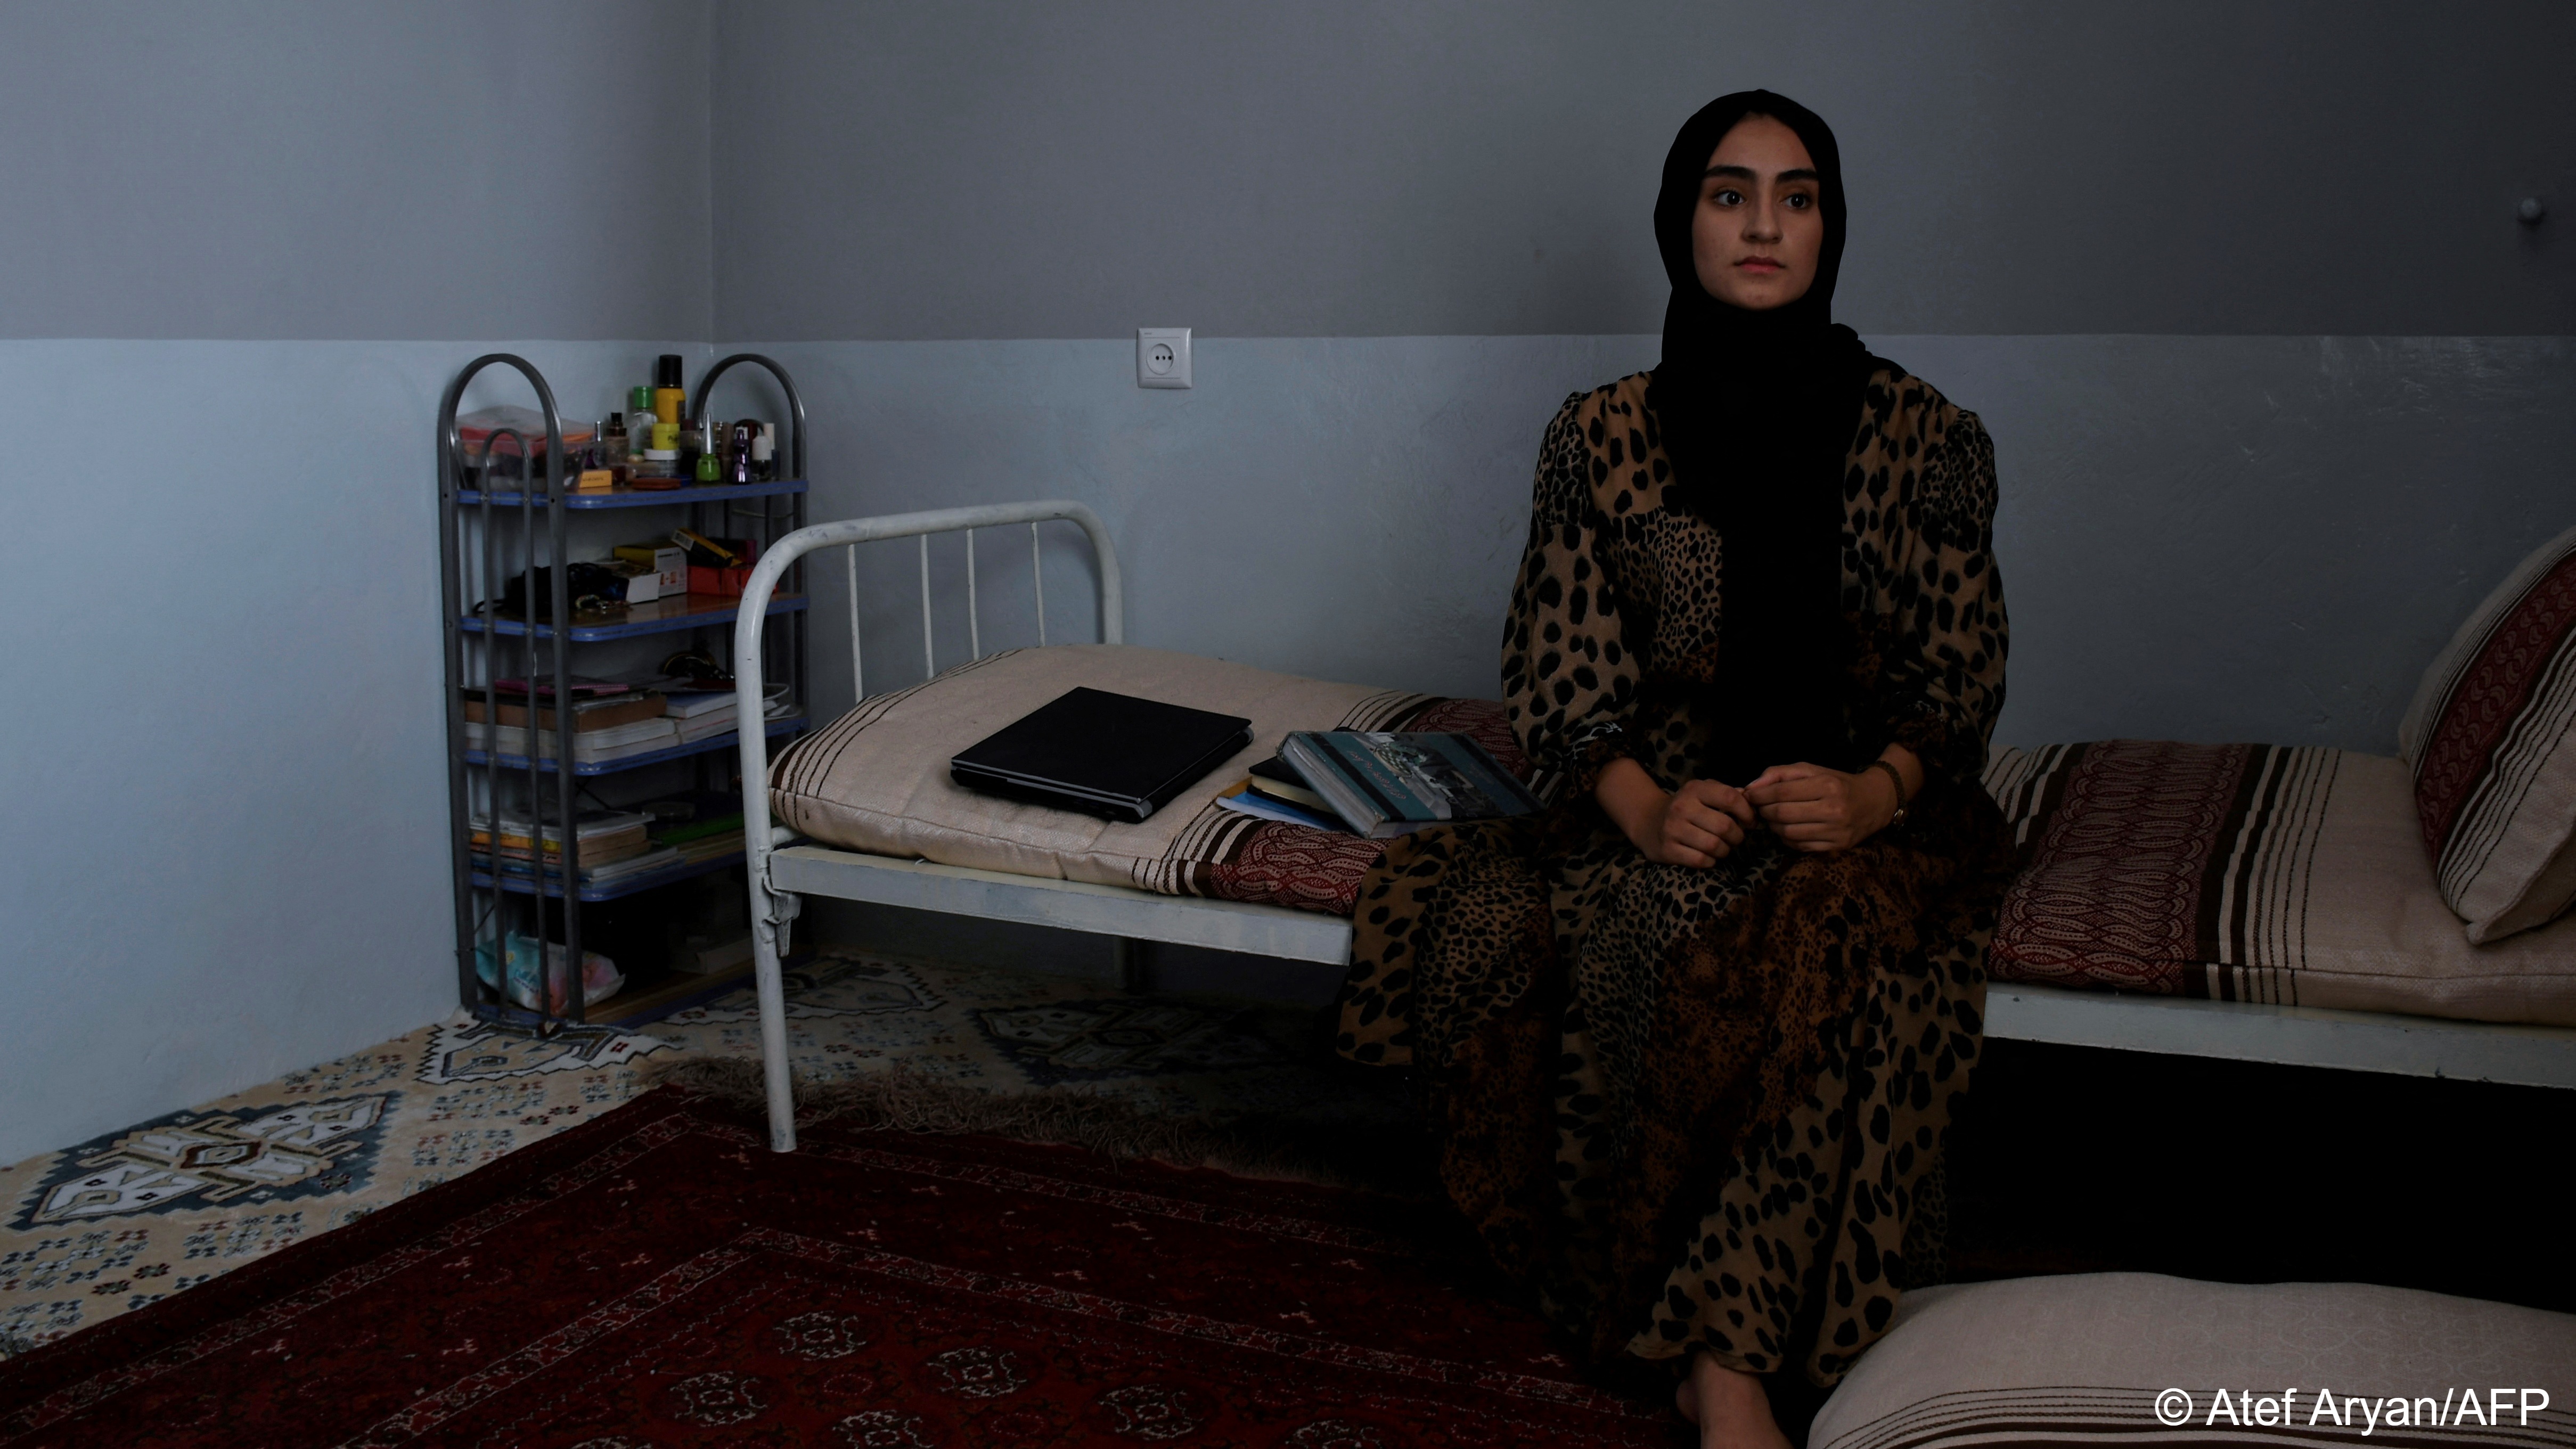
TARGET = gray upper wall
(991,169)
(276,169)
(819,169)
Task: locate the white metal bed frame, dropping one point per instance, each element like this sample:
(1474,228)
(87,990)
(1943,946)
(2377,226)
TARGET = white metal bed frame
(782,874)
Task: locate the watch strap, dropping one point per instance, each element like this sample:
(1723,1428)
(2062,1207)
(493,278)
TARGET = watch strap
(1898,780)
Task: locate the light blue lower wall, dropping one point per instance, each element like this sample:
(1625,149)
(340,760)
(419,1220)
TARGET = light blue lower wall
(227,858)
(2262,538)
(226,848)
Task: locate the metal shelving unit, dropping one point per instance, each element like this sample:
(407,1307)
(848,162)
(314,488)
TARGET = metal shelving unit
(488,537)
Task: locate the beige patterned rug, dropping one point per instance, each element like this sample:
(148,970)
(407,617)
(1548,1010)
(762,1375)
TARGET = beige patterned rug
(130,1217)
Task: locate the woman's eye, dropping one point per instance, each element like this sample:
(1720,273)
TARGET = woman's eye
(1798,201)
(1727,196)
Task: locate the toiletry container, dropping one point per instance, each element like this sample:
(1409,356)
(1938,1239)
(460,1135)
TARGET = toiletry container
(670,399)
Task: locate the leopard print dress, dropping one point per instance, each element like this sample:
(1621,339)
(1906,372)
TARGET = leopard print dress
(1698,1109)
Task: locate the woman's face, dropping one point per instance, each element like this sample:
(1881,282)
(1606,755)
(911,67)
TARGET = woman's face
(1760,224)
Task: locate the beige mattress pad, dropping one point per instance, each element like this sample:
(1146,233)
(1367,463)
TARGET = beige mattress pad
(2082,1358)
(876,779)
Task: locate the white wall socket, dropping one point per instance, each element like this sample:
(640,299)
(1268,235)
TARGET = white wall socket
(1162,357)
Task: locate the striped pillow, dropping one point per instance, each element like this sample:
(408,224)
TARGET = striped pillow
(2491,738)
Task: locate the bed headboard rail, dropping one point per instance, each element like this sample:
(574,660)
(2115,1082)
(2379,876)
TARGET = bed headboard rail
(771,913)
(850,531)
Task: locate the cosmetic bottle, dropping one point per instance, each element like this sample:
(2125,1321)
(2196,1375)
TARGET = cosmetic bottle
(738,452)
(764,457)
(613,447)
(670,399)
(715,463)
(693,446)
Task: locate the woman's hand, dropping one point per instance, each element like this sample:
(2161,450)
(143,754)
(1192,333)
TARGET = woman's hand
(1695,825)
(1815,809)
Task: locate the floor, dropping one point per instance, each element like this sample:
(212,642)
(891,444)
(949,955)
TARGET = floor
(119,1221)
(2063,1159)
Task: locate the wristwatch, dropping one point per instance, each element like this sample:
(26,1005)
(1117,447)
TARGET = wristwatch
(1899,817)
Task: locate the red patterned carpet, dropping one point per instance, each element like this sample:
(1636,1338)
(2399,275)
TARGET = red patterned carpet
(658,1278)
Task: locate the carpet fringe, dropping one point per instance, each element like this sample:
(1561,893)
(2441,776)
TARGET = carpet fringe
(903,1099)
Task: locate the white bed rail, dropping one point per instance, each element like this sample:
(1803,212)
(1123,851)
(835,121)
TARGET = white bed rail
(771,911)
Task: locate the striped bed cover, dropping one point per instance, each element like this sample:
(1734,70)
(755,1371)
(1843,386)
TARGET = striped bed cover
(2292,875)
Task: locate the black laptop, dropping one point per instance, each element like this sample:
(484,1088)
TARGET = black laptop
(1104,754)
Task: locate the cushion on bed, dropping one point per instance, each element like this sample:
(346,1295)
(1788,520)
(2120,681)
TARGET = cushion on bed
(2249,873)
(876,779)
(2081,1359)
(2491,737)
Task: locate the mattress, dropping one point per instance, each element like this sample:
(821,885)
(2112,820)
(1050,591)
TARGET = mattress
(2259,873)
(876,779)
(2138,1358)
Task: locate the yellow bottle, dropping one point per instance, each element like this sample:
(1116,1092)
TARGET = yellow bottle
(670,398)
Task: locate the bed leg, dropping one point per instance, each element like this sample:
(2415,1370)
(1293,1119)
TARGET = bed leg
(1134,962)
(769,929)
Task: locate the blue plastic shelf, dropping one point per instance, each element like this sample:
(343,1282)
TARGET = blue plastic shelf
(662,616)
(787,724)
(639,497)
(519,885)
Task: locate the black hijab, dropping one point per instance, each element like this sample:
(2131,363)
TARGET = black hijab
(1757,411)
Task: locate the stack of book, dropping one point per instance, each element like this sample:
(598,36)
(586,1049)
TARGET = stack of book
(1275,792)
(702,714)
(611,721)
(1379,784)
(703,708)
(707,837)
(614,845)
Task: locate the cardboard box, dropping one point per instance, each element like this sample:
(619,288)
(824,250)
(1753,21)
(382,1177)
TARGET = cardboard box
(662,570)
(723,583)
(643,586)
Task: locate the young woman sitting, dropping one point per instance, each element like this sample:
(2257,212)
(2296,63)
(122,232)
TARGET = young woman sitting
(1691,1037)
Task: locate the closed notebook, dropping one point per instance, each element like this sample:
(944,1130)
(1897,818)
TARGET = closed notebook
(1100,753)
(1277,779)
(1392,783)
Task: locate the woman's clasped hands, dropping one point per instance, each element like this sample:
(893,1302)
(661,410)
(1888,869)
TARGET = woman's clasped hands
(1811,808)
(1815,809)
(1702,821)
(1695,825)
